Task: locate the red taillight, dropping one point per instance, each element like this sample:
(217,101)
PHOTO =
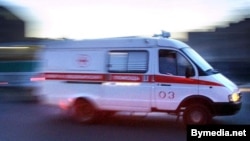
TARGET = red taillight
(64,104)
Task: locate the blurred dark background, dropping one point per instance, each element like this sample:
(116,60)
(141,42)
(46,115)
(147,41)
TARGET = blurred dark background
(227,49)
(12,28)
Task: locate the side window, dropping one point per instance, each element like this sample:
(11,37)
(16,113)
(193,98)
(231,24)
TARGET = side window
(172,63)
(128,61)
(167,62)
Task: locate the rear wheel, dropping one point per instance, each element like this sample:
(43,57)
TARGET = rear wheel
(197,114)
(83,111)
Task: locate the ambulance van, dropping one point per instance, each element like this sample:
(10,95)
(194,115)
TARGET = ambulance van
(94,78)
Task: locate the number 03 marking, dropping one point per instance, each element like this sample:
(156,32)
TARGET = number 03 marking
(169,95)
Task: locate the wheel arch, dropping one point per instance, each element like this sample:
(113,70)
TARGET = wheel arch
(87,99)
(197,99)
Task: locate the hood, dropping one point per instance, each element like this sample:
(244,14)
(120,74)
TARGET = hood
(223,80)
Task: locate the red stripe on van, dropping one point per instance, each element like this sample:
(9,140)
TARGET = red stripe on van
(126,78)
(183,80)
(75,76)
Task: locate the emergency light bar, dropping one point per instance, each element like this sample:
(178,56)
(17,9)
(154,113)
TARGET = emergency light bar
(163,34)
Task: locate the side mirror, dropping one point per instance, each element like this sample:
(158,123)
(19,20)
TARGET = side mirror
(189,71)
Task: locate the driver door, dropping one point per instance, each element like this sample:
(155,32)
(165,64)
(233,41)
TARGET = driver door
(171,83)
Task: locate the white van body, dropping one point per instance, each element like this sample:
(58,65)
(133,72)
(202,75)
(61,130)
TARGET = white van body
(127,74)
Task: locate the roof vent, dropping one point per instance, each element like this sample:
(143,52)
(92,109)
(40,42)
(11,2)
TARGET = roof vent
(163,34)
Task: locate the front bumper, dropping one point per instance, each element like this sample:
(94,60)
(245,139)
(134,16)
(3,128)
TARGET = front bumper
(226,108)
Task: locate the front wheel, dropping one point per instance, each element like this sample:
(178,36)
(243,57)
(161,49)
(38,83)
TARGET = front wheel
(83,111)
(197,114)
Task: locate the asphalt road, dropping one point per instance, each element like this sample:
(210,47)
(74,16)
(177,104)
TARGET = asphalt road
(29,122)
(42,122)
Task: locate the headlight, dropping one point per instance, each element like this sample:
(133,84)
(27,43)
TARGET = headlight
(235,97)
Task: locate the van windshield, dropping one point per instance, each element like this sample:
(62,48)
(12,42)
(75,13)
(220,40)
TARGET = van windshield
(197,59)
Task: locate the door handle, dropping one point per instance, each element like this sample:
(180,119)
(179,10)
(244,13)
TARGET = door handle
(164,84)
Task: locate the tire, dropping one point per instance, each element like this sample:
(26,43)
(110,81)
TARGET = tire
(83,111)
(197,114)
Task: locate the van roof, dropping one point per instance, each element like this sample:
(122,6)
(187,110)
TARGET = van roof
(117,42)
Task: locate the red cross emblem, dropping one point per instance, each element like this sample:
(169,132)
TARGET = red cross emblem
(83,60)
